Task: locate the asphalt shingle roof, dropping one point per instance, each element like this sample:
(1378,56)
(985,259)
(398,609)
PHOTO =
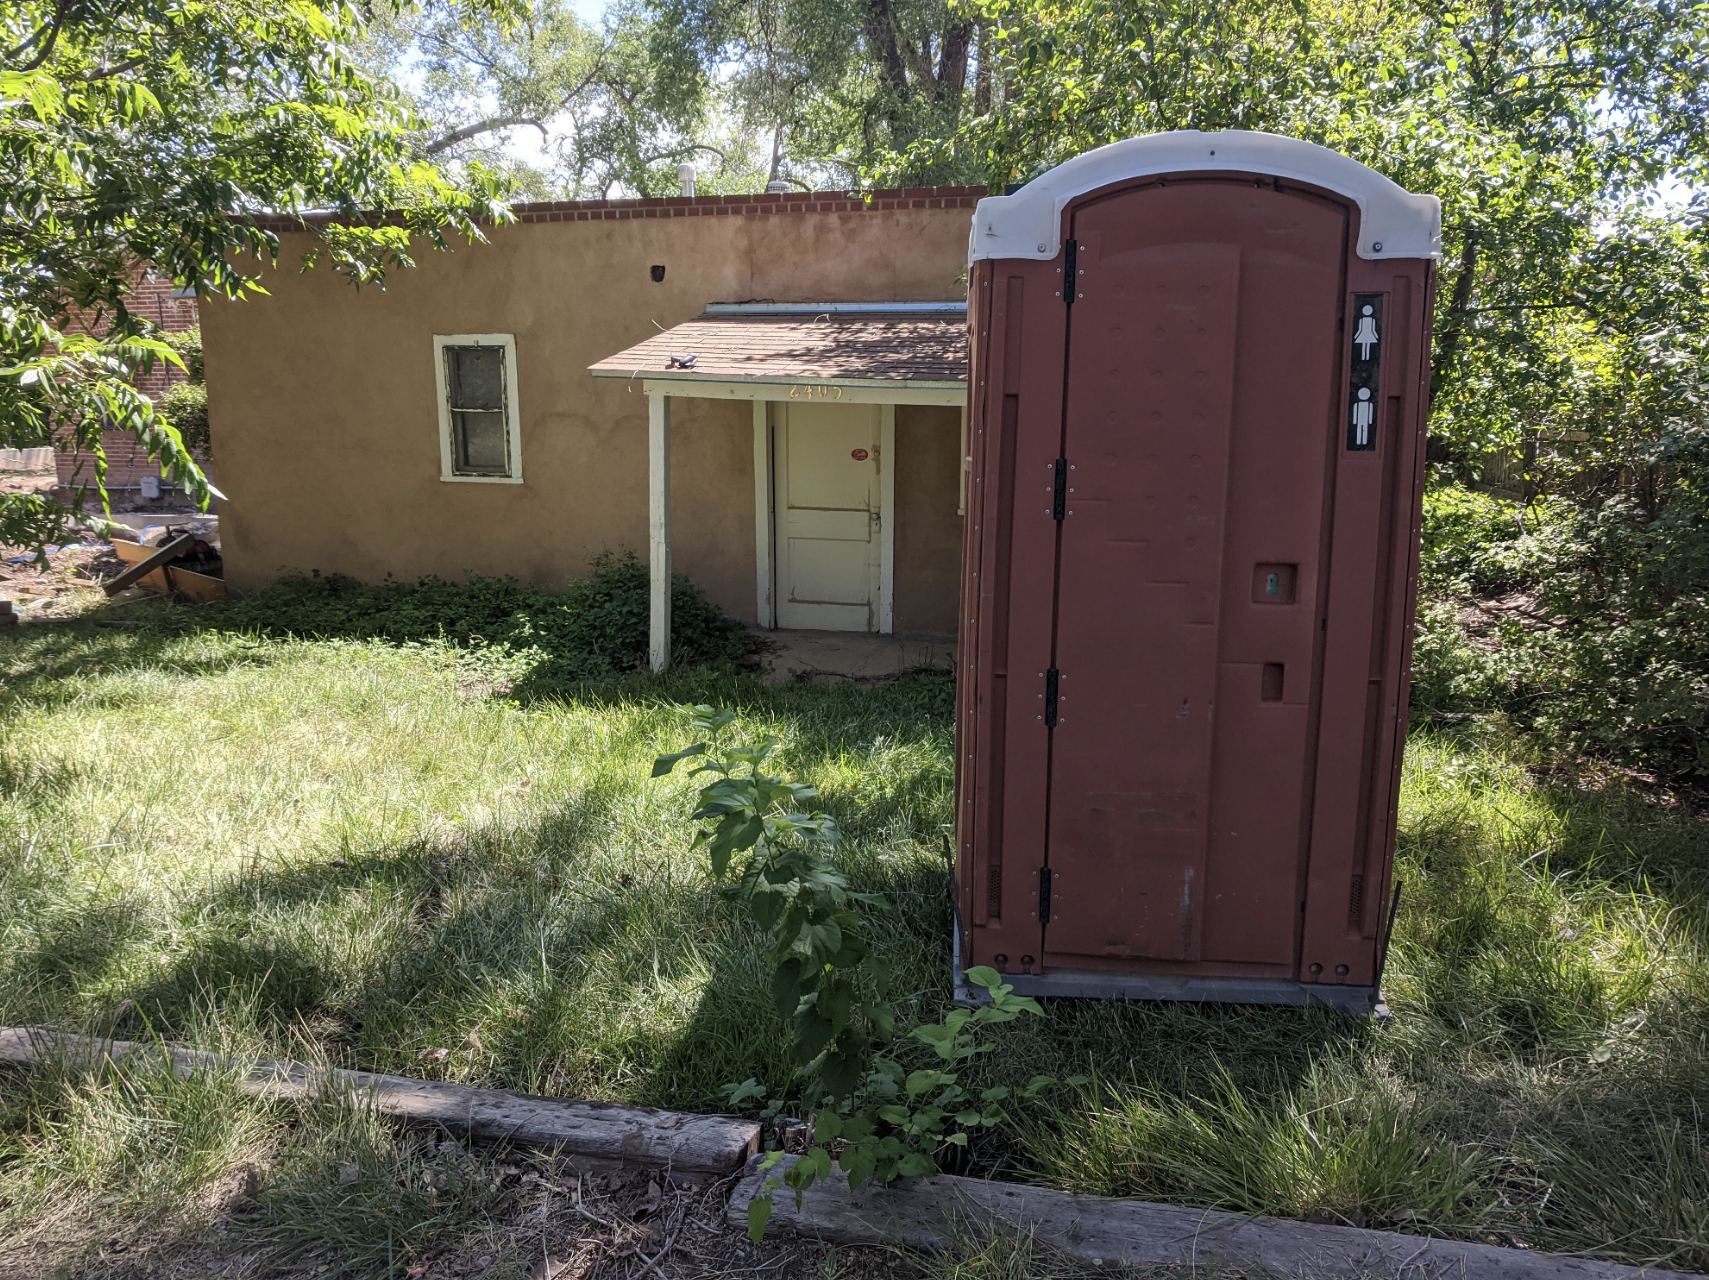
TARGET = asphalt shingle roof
(864,347)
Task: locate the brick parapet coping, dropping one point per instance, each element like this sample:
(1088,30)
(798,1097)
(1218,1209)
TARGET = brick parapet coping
(697,206)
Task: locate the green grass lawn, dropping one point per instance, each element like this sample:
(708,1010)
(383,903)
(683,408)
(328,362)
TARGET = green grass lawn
(362,854)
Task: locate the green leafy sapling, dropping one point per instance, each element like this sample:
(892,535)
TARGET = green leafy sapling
(884,1120)
(817,947)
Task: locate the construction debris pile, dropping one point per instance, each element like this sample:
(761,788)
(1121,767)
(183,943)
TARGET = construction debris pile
(182,562)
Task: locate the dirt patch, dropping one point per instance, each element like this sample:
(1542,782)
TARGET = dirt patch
(858,657)
(46,586)
(1481,619)
(32,582)
(555,1226)
(27,481)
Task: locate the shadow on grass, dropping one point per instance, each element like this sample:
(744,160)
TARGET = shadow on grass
(45,663)
(69,951)
(557,957)
(550,958)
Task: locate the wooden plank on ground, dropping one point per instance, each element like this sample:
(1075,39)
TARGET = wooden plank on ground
(929,1213)
(170,550)
(197,588)
(592,1135)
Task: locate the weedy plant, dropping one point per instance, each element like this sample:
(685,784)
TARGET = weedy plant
(886,1121)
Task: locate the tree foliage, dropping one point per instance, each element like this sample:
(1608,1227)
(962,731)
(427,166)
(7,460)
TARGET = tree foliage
(565,107)
(804,92)
(185,404)
(831,85)
(1571,324)
(154,131)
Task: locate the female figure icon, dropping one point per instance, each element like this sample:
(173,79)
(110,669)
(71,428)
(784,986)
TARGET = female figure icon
(1365,335)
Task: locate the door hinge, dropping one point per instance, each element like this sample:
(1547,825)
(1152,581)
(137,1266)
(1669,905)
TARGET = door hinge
(1051,678)
(1071,257)
(1059,490)
(1044,895)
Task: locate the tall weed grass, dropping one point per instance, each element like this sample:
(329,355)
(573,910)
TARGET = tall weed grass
(357,853)
(1540,1082)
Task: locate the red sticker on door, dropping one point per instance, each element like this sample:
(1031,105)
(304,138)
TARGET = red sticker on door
(859,455)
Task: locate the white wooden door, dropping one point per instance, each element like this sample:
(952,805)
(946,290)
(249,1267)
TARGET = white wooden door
(829,509)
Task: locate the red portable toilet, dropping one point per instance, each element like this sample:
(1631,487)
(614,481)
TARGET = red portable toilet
(1196,426)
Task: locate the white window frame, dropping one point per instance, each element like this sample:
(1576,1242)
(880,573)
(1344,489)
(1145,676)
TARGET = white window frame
(512,410)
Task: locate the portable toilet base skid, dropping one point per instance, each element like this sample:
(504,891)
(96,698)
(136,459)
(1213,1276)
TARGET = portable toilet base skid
(1196,426)
(1103,985)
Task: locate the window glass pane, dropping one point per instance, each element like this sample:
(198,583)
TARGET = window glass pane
(477,377)
(480,444)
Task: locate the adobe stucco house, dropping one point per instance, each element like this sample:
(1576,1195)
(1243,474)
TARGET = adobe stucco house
(501,410)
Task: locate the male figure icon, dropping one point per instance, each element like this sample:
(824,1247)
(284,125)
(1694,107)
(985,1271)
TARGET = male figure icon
(1363,415)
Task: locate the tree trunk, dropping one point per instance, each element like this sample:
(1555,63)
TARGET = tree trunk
(881,39)
(982,71)
(923,77)
(952,60)
(1458,303)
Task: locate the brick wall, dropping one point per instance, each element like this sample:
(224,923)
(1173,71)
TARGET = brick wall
(709,206)
(127,463)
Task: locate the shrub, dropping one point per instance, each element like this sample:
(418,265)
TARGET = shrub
(1460,528)
(1608,652)
(597,627)
(187,343)
(185,406)
(1449,673)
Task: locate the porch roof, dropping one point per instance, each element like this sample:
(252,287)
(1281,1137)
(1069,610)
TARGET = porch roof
(893,345)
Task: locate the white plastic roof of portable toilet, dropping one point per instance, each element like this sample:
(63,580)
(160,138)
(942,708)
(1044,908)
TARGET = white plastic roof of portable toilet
(1394,223)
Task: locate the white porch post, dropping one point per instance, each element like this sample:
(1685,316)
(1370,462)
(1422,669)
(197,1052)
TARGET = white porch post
(659,526)
(887,517)
(762,513)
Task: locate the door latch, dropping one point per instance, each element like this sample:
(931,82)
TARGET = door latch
(1044,878)
(1052,679)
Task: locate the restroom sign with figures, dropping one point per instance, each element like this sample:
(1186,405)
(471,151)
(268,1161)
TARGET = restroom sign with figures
(1366,366)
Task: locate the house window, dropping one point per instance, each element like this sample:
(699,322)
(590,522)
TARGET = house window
(478,436)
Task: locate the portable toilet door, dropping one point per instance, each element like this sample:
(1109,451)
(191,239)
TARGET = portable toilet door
(1196,416)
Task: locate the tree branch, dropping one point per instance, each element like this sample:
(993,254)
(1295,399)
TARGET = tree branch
(119,70)
(49,31)
(483,126)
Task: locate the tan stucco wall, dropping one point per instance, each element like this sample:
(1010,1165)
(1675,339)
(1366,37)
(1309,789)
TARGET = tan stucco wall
(325,425)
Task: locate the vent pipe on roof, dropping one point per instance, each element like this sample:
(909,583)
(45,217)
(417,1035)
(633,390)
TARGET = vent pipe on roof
(685,175)
(777,187)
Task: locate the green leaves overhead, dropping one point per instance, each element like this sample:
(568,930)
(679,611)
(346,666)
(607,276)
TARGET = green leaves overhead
(151,134)
(1542,124)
